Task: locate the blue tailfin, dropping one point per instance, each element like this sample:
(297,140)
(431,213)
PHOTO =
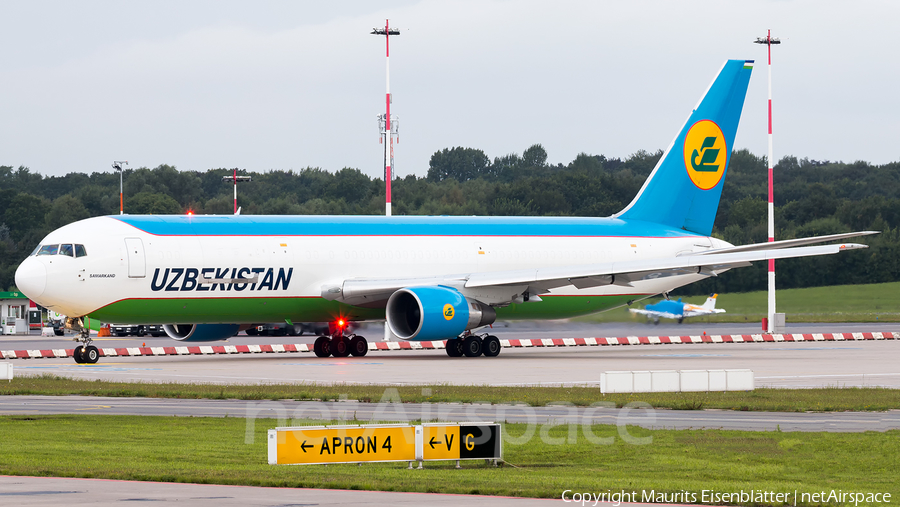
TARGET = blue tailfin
(684,188)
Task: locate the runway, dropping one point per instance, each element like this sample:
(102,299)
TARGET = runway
(801,364)
(788,365)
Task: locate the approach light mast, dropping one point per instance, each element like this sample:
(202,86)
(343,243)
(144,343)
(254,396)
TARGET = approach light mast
(118,166)
(386,124)
(769,41)
(235,179)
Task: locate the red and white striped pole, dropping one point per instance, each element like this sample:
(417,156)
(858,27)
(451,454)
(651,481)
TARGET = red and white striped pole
(389,142)
(768,41)
(119,166)
(235,179)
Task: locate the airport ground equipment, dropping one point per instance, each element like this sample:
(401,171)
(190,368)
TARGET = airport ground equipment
(285,329)
(154,330)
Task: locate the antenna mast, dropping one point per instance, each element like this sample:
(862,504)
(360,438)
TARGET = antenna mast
(387,125)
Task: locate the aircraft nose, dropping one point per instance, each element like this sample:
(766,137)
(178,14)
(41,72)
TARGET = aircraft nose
(31,278)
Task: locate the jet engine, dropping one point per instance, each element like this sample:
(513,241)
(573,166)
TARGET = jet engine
(201,332)
(434,313)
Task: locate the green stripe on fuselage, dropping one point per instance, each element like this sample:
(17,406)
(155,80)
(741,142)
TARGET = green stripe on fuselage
(230,311)
(314,309)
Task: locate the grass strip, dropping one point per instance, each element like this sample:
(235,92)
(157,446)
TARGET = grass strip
(552,459)
(768,400)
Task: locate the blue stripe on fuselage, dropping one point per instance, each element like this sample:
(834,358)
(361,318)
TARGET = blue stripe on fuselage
(373,225)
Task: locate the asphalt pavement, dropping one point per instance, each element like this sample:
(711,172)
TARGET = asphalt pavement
(286,411)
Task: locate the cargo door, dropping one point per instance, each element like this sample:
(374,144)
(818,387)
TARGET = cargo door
(137,264)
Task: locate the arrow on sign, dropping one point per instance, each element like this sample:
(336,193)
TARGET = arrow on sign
(432,442)
(304,446)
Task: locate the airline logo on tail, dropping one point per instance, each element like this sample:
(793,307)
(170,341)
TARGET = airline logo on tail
(705,154)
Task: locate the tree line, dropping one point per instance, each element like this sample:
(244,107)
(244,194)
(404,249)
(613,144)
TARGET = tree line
(811,198)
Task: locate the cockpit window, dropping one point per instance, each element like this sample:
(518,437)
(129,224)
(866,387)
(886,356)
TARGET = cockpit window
(48,250)
(64,249)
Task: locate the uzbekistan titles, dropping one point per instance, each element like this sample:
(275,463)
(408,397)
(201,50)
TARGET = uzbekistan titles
(196,279)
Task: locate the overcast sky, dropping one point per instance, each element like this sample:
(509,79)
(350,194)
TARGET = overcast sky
(273,84)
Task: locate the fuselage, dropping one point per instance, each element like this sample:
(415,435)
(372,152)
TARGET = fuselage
(182,269)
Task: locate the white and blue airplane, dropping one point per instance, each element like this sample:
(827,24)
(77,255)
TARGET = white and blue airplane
(430,278)
(668,309)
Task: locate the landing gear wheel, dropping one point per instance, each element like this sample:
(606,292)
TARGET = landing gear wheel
(340,347)
(359,346)
(322,347)
(77,354)
(490,346)
(90,354)
(85,352)
(454,347)
(472,346)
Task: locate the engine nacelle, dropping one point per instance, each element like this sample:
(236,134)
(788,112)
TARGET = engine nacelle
(201,332)
(434,313)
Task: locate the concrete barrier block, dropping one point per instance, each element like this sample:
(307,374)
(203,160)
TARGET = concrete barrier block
(6,371)
(617,382)
(739,380)
(694,380)
(665,381)
(718,380)
(641,382)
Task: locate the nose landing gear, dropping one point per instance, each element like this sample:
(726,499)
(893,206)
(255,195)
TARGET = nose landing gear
(86,353)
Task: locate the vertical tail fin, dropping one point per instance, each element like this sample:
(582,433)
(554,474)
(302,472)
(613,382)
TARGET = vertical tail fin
(684,188)
(710,303)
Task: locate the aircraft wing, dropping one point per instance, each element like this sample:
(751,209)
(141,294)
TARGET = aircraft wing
(698,313)
(623,273)
(788,243)
(499,287)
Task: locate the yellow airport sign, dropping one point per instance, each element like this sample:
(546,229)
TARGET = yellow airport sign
(440,442)
(461,441)
(317,445)
(341,444)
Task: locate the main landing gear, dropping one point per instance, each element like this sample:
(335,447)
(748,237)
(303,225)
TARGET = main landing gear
(339,345)
(473,346)
(86,353)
